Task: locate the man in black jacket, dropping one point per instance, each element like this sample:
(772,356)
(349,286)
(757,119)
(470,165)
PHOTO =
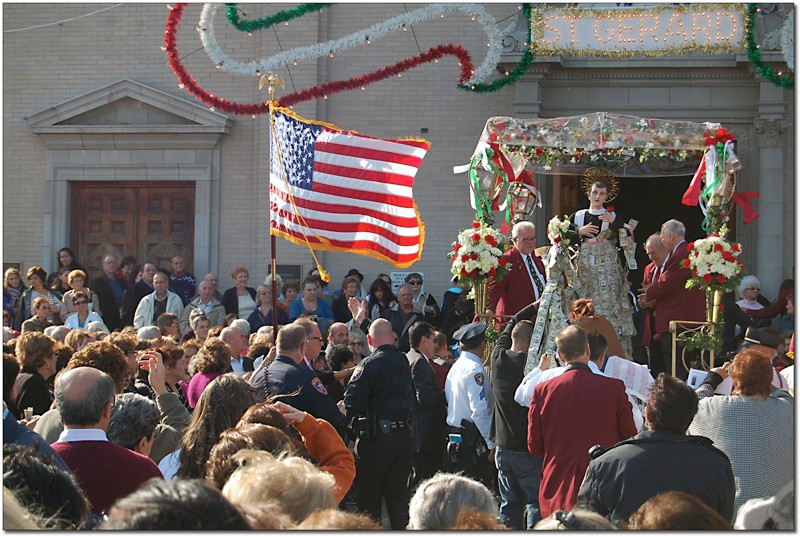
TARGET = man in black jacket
(110,289)
(518,470)
(428,406)
(631,472)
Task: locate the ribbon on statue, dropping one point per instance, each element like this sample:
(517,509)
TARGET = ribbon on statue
(742,200)
(692,194)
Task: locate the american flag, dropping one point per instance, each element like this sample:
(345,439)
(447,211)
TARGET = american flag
(341,191)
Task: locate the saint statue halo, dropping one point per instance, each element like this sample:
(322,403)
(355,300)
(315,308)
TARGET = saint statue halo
(598,174)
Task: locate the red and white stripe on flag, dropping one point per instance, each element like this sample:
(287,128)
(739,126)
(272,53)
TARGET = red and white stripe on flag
(339,190)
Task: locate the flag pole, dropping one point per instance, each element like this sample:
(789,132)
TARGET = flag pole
(273,80)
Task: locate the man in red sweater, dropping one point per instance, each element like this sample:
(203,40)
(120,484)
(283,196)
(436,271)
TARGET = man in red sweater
(105,471)
(569,415)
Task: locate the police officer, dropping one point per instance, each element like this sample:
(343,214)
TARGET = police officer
(377,400)
(470,404)
(289,374)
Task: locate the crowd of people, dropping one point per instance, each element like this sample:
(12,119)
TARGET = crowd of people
(148,399)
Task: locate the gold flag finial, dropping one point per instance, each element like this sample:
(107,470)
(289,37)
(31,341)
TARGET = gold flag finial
(273,80)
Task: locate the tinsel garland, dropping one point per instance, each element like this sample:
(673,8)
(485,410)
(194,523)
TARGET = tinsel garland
(753,52)
(265,22)
(398,68)
(519,69)
(189,83)
(359,38)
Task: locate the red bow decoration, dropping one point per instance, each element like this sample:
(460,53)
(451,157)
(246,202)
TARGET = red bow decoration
(742,200)
(721,135)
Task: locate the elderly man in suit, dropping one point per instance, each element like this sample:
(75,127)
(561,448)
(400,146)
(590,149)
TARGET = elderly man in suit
(525,281)
(673,301)
(569,415)
(657,254)
(428,406)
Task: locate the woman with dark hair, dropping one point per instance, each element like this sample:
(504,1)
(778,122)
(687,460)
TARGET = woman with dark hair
(175,364)
(381,299)
(350,287)
(128,270)
(36,279)
(220,407)
(60,281)
(213,359)
(175,505)
(582,314)
(66,259)
(13,287)
(290,291)
(752,426)
(312,302)
(341,357)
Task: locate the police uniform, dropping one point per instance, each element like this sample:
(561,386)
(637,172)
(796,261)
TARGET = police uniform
(378,402)
(285,377)
(470,404)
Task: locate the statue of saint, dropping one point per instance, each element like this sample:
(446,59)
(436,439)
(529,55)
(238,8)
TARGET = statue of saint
(600,269)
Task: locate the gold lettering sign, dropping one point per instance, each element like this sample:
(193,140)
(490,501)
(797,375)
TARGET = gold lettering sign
(625,32)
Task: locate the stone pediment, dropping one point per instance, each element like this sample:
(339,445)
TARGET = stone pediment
(127,106)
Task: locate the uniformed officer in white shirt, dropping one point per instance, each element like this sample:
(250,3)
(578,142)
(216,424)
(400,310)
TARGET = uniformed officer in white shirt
(469,407)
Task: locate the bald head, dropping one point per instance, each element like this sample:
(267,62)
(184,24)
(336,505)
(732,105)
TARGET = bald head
(380,333)
(84,396)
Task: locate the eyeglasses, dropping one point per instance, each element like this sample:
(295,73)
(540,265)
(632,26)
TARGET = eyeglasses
(415,282)
(356,344)
(315,338)
(756,289)
(82,302)
(528,240)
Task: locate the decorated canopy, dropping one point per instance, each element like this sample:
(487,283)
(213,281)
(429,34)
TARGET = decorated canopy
(625,144)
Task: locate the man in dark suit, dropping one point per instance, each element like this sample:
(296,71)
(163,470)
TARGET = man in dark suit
(525,281)
(673,301)
(570,414)
(110,290)
(428,406)
(135,294)
(657,254)
(518,470)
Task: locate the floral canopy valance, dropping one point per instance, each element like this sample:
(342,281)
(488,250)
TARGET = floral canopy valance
(625,144)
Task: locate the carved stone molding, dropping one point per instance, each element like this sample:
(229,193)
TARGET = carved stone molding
(771,133)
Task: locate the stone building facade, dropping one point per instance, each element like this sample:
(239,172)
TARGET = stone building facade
(102,148)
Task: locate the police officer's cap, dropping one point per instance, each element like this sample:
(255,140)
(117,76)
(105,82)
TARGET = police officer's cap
(756,336)
(470,331)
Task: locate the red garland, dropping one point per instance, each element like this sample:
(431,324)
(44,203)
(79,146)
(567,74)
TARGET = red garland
(329,88)
(435,53)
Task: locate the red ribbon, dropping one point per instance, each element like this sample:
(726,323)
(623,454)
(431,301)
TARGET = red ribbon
(742,200)
(691,196)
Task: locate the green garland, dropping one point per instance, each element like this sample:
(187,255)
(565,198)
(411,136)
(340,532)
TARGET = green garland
(265,22)
(753,52)
(516,73)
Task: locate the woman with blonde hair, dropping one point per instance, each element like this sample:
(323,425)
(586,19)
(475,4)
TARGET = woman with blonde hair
(13,287)
(292,483)
(240,299)
(77,283)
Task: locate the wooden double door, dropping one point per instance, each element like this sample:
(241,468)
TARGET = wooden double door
(152,222)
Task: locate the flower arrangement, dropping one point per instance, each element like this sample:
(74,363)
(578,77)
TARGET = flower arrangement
(713,262)
(478,254)
(561,232)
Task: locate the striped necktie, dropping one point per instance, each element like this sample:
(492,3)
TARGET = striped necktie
(536,280)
